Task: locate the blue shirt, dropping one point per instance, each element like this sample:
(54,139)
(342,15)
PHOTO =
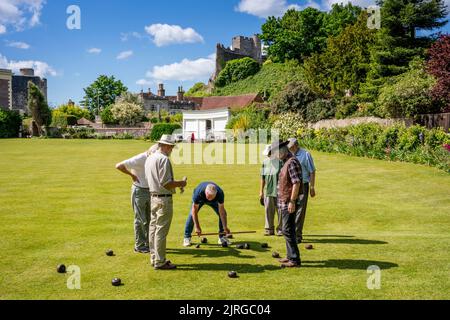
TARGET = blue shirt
(199,196)
(307,163)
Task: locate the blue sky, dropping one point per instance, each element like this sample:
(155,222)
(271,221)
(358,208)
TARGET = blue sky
(140,42)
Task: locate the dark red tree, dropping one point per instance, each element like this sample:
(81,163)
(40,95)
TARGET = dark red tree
(438,65)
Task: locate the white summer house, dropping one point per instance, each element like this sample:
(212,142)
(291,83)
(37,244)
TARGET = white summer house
(206,125)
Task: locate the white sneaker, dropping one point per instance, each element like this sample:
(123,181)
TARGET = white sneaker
(187,242)
(224,239)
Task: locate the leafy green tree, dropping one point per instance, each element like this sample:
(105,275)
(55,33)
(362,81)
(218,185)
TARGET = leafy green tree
(38,108)
(339,17)
(404,17)
(344,64)
(102,93)
(10,122)
(397,43)
(409,95)
(107,116)
(298,34)
(236,70)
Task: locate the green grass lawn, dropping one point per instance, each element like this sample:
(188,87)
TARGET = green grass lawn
(64,202)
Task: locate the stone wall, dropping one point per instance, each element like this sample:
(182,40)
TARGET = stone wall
(20,90)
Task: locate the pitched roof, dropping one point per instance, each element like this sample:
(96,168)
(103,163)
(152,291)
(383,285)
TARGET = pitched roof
(84,121)
(229,102)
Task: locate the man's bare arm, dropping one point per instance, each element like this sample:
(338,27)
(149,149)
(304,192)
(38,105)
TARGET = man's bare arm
(122,168)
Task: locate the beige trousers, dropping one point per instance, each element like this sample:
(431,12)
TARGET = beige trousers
(160,220)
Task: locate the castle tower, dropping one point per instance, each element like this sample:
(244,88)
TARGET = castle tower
(161,91)
(180,94)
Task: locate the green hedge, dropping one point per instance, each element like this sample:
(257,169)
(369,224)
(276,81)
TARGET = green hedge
(163,128)
(10,122)
(415,144)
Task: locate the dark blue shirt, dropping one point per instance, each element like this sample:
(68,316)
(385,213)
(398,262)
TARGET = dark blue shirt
(199,196)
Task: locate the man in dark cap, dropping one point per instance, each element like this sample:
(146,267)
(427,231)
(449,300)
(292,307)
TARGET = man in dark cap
(289,191)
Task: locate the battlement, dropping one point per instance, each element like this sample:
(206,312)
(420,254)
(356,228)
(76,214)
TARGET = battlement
(241,47)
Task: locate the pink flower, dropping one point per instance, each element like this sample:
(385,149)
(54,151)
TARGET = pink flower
(447,147)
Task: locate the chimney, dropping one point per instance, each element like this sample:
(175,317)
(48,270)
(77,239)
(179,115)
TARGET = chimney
(71,103)
(149,91)
(180,94)
(161,91)
(27,72)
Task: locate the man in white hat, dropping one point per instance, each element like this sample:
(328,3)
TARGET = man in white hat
(140,197)
(268,191)
(159,173)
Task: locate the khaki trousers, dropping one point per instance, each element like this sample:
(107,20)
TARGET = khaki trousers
(160,220)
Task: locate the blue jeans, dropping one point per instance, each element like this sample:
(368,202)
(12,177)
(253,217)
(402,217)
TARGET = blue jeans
(190,221)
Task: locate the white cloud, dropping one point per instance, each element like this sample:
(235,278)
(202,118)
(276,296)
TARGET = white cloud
(41,69)
(164,34)
(19,45)
(94,50)
(265,8)
(124,55)
(185,70)
(20,13)
(125,36)
(144,82)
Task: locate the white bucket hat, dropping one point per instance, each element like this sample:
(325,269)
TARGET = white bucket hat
(167,139)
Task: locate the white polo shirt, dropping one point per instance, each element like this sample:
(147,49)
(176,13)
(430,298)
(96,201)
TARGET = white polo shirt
(136,166)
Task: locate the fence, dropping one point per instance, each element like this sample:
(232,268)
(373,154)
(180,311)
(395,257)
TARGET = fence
(435,120)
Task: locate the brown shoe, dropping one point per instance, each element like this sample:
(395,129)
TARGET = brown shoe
(269,233)
(290,264)
(284,260)
(166,266)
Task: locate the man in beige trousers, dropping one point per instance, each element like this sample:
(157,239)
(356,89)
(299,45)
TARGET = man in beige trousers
(159,173)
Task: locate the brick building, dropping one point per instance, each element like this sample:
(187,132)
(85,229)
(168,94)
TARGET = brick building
(5,89)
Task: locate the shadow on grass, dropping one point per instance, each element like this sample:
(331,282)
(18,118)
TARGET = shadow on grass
(340,239)
(344,241)
(211,253)
(238,267)
(348,264)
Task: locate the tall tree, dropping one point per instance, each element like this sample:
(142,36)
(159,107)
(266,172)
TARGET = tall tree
(344,64)
(404,17)
(397,42)
(102,93)
(439,66)
(38,108)
(299,34)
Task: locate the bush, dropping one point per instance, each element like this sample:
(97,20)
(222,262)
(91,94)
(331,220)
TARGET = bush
(294,98)
(414,144)
(107,116)
(236,70)
(126,113)
(160,129)
(62,120)
(79,133)
(288,124)
(10,122)
(72,110)
(320,109)
(408,96)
